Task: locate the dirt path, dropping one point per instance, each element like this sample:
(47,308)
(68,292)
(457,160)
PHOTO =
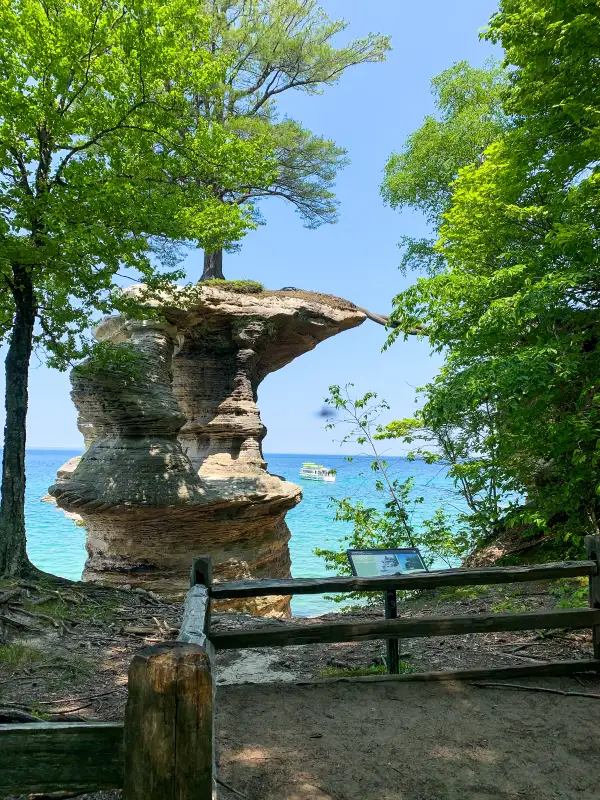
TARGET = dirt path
(444,741)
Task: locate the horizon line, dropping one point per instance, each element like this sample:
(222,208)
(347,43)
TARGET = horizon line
(274,453)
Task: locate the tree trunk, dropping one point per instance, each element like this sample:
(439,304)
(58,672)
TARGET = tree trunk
(213,265)
(13,553)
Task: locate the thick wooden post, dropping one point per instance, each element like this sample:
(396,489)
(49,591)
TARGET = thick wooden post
(592,546)
(168,736)
(392,645)
(201,571)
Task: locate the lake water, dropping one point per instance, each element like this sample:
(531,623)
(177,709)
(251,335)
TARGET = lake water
(57,545)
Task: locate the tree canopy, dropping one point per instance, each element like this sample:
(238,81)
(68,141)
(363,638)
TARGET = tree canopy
(514,306)
(469,116)
(272,47)
(103,169)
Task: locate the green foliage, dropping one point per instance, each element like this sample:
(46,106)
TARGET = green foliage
(106,172)
(103,162)
(351,672)
(271,47)
(551,48)
(357,672)
(18,655)
(115,359)
(570,593)
(470,116)
(392,527)
(240,286)
(444,537)
(450,594)
(515,306)
(507,606)
(464,439)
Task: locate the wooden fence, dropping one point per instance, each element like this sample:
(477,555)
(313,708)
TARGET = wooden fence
(165,747)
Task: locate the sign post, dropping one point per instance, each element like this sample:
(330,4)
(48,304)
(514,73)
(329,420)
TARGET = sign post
(387,562)
(392,645)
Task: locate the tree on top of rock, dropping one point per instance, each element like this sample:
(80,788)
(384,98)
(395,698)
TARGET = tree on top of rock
(273,46)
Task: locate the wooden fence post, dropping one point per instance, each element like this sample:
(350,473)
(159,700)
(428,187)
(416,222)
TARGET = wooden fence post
(168,736)
(592,546)
(201,571)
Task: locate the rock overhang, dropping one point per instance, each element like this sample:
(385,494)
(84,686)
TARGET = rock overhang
(178,458)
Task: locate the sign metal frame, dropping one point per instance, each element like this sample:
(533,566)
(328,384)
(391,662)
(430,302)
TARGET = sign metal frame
(396,551)
(390,597)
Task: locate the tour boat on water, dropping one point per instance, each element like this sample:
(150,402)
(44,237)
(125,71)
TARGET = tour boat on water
(317,472)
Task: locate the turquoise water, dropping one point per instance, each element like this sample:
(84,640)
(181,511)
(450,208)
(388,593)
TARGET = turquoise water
(57,545)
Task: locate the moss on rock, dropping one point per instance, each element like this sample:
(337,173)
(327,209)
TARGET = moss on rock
(243,286)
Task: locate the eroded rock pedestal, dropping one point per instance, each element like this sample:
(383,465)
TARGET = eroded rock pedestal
(174,466)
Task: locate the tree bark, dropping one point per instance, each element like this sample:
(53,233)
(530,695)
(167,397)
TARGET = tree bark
(213,265)
(13,552)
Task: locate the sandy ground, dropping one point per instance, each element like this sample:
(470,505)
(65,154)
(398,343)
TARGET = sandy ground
(408,741)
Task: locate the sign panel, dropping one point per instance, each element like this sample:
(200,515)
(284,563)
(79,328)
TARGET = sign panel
(391,561)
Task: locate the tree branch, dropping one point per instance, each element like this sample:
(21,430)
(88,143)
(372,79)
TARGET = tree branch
(18,156)
(387,322)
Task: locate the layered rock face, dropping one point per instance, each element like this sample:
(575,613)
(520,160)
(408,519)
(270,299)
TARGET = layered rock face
(174,466)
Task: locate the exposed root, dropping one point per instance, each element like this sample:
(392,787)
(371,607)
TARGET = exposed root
(11,594)
(231,789)
(10,715)
(523,688)
(18,624)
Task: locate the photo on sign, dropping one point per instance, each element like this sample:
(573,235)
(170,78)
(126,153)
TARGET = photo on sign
(373,563)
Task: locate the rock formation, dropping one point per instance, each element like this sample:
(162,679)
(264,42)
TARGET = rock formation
(174,466)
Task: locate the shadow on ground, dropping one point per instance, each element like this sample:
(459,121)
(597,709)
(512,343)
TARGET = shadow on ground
(444,741)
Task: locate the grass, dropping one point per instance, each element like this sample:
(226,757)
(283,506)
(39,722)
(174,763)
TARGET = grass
(54,608)
(242,286)
(17,655)
(359,672)
(570,592)
(453,593)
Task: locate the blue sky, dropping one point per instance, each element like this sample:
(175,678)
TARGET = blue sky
(370,111)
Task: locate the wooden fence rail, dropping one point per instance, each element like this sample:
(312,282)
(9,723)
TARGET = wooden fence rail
(283,636)
(60,756)
(165,749)
(422,580)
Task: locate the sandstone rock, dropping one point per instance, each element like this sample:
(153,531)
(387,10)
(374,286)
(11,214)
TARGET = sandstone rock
(174,467)
(64,473)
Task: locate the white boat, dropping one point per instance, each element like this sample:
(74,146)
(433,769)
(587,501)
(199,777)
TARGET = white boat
(317,472)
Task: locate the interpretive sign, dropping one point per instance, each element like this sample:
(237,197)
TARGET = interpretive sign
(389,561)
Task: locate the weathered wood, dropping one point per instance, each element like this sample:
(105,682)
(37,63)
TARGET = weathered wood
(201,571)
(412,628)
(592,546)
(195,626)
(392,645)
(168,737)
(195,623)
(199,605)
(54,757)
(423,580)
(543,669)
